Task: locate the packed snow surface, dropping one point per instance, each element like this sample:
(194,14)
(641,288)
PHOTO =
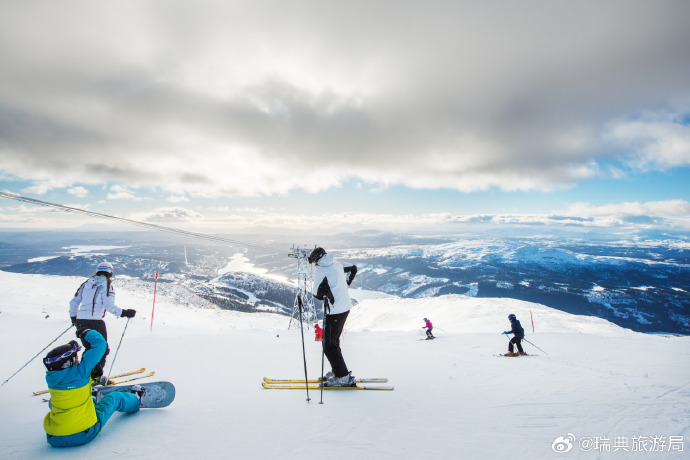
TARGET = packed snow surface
(453,398)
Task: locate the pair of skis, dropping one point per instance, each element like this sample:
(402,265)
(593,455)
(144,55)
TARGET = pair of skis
(300,384)
(117,382)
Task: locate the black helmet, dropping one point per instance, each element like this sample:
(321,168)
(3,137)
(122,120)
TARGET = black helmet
(62,357)
(511,317)
(316,255)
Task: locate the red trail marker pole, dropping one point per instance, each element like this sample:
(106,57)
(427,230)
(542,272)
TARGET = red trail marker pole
(530,316)
(155,286)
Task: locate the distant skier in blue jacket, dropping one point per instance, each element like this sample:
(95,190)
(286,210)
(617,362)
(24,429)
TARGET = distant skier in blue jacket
(518,334)
(74,419)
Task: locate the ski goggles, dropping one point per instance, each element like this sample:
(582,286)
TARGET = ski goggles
(75,348)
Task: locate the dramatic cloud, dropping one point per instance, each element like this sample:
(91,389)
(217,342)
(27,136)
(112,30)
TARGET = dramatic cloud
(211,98)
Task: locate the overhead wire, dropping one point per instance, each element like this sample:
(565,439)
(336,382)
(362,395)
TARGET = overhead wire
(177,231)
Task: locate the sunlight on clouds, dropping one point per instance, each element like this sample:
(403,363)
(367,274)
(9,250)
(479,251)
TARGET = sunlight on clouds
(656,142)
(79,192)
(230,71)
(652,208)
(234,170)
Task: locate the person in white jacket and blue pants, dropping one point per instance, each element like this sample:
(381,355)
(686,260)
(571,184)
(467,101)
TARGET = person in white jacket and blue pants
(331,286)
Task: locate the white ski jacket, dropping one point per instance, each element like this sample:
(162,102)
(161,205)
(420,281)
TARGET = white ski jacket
(93,298)
(330,282)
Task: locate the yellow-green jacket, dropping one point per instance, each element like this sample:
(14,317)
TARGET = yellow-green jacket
(73,409)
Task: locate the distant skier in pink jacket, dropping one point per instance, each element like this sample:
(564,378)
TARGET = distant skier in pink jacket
(429,327)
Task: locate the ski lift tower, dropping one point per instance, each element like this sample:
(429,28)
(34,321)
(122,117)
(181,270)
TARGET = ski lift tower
(305,280)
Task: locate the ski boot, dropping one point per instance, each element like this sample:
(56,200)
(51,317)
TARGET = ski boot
(344,381)
(325,378)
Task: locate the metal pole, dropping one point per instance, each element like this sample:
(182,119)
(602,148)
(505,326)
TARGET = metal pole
(118,348)
(323,346)
(535,346)
(304,352)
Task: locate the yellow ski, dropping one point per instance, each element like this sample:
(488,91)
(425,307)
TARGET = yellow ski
(270,386)
(138,371)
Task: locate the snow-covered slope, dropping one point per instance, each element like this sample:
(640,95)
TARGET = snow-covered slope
(453,397)
(461,314)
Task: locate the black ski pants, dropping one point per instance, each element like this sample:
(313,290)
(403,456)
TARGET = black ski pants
(332,330)
(517,341)
(96,325)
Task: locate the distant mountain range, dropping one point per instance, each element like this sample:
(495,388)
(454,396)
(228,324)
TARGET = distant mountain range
(641,283)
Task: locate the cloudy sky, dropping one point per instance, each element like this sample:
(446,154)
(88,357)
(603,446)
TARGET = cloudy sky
(348,115)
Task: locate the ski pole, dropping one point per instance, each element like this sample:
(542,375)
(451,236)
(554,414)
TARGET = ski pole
(37,354)
(535,346)
(323,346)
(304,352)
(118,348)
(507,336)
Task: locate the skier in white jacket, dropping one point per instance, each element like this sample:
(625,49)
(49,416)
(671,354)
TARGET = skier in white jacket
(331,286)
(87,309)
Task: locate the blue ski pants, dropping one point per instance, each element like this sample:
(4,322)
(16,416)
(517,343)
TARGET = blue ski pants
(106,407)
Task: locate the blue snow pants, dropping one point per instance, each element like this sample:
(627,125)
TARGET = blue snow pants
(112,402)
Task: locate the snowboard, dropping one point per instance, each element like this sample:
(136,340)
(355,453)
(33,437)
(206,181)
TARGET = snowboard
(156,394)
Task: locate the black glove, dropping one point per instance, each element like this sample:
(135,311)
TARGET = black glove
(128,313)
(74,320)
(81,334)
(97,372)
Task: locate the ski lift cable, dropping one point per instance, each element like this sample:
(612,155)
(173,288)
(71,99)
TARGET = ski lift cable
(218,239)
